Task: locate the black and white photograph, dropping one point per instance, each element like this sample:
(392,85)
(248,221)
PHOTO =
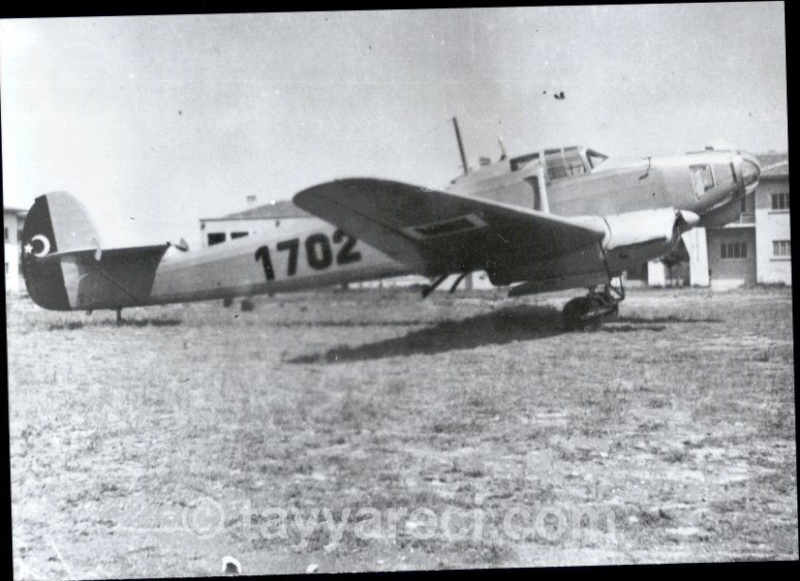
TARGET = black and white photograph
(398,290)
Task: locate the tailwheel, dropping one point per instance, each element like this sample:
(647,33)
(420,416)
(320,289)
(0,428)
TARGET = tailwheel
(591,310)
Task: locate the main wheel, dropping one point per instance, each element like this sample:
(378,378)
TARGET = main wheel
(575,312)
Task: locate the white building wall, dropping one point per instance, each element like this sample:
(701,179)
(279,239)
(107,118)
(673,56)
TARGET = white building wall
(656,273)
(772,225)
(13,279)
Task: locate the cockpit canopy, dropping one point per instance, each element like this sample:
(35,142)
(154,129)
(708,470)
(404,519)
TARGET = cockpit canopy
(558,164)
(562,162)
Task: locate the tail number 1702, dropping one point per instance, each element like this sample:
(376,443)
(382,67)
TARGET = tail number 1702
(319,253)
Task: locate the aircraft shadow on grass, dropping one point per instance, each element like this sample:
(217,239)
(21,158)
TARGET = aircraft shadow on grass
(513,323)
(146,322)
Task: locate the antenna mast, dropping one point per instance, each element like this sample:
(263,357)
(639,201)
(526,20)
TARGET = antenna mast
(460,147)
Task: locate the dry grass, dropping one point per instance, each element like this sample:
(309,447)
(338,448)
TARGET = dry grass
(677,420)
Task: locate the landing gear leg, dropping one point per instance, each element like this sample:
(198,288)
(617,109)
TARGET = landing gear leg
(429,288)
(591,310)
(119,317)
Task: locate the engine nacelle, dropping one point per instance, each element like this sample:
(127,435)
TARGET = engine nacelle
(629,240)
(724,214)
(636,237)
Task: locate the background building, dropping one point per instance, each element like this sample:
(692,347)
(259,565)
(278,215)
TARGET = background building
(774,233)
(13,220)
(278,217)
(755,249)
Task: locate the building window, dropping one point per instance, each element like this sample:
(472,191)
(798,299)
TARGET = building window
(216,238)
(780,201)
(782,248)
(733,250)
(238,235)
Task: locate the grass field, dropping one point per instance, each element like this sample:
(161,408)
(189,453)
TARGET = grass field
(294,436)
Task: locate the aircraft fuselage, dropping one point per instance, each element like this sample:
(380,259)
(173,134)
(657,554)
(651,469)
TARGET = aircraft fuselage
(66,268)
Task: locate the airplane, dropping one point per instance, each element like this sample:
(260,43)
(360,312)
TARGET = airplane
(554,219)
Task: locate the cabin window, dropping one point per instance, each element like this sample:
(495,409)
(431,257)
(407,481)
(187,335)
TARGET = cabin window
(519,162)
(574,162)
(6,233)
(702,178)
(554,160)
(780,201)
(782,248)
(235,235)
(724,174)
(733,250)
(6,268)
(595,158)
(216,238)
(564,164)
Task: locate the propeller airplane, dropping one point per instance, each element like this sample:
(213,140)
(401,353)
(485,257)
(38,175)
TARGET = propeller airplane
(555,219)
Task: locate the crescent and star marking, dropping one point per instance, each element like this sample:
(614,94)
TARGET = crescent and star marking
(45,246)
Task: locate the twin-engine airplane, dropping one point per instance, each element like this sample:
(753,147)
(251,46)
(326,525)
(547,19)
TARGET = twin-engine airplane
(551,220)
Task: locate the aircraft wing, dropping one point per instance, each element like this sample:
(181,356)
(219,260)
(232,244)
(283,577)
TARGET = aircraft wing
(436,232)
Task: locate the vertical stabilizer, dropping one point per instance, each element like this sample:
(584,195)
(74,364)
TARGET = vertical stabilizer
(57,223)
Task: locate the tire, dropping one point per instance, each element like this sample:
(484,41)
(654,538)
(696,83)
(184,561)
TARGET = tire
(573,313)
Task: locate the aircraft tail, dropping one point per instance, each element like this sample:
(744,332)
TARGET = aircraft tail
(56,224)
(66,268)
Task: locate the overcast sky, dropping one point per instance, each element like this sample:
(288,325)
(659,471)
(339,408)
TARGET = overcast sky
(157,121)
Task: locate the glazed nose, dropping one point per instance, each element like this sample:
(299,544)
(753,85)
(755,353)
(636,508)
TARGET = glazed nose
(751,171)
